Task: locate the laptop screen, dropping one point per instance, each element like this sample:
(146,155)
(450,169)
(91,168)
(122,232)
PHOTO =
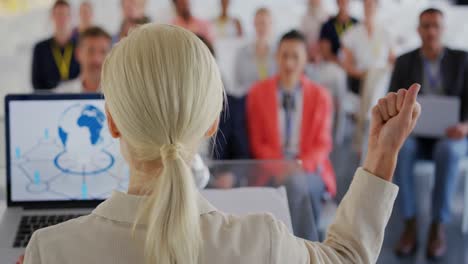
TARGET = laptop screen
(59,149)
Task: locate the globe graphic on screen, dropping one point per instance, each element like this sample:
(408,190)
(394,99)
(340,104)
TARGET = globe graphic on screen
(80,130)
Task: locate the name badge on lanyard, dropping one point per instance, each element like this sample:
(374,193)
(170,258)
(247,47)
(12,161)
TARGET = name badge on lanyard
(63,61)
(341,28)
(434,78)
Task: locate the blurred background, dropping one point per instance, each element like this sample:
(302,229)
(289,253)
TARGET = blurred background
(25,22)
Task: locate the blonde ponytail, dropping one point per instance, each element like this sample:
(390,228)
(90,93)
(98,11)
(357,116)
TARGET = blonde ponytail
(163,90)
(173,197)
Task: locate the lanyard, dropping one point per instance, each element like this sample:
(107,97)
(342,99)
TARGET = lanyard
(434,79)
(222,25)
(262,69)
(63,62)
(341,28)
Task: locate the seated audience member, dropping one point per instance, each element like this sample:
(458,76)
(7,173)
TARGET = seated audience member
(226,26)
(311,24)
(162,218)
(330,38)
(331,76)
(325,72)
(443,72)
(86,19)
(367,46)
(186,20)
(54,58)
(289,117)
(255,61)
(231,142)
(332,31)
(93,46)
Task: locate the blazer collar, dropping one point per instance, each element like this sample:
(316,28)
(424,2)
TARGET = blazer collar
(123,207)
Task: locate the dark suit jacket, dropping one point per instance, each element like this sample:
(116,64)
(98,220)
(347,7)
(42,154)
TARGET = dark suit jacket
(454,67)
(231,140)
(45,74)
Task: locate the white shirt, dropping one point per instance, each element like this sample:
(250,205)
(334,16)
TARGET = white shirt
(225,28)
(105,236)
(331,76)
(246,69)
(72,86)
(312,22)
(369,51)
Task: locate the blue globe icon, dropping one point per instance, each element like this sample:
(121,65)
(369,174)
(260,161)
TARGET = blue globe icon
(80,130)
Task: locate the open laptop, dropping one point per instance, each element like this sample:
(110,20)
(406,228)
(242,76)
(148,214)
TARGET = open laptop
(60,163)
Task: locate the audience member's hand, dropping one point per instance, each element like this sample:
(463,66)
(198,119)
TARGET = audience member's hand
(393,119)
(286,171)
(458,132)
(224,181)
(20,260)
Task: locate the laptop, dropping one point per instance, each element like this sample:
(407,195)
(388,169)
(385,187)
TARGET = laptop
(61,162)
(438,113)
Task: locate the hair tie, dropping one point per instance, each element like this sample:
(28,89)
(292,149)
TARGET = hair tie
(170,151)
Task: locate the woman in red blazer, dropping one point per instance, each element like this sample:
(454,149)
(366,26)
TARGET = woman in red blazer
(315,133)
(289,118)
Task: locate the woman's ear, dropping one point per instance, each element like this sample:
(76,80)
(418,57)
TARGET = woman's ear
(212,130)
(115,133)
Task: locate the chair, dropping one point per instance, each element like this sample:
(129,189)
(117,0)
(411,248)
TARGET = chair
(243,201)
(427,168)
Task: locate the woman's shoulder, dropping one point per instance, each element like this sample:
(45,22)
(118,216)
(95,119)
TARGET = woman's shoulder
(227,234)
(260,237)
(251,227)
(254,228)
(63,232)
(231,220)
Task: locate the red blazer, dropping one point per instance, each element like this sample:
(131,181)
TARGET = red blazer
(315,139)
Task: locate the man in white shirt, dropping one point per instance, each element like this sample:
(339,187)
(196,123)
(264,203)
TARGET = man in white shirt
(93,45)
(368,45)
(367,50)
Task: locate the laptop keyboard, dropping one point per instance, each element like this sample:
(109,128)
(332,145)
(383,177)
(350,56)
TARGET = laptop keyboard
(31,223)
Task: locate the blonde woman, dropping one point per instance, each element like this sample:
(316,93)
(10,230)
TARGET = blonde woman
(164,95)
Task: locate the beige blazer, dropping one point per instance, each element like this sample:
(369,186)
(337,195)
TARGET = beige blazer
(105,235)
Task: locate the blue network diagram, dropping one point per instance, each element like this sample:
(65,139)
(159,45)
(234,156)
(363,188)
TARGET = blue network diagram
(74,160)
